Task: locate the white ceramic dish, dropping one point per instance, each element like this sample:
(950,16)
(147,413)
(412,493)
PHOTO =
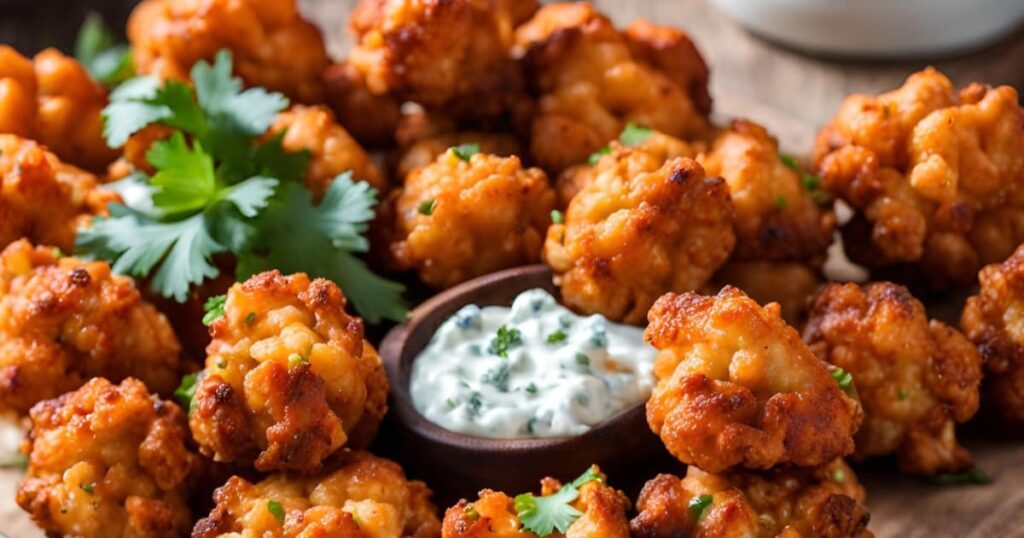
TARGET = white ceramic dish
(879,28)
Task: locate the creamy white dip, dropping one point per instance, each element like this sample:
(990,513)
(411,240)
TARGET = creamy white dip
(533,370)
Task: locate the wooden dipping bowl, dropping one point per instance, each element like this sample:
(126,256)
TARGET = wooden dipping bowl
(461,464)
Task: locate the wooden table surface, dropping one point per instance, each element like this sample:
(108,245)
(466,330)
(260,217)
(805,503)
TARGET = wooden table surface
(793,94)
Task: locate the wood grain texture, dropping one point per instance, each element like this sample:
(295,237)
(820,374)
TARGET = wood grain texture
(793,94)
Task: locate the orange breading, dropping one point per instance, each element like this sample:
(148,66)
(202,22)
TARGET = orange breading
(493,514)
(790,284)
(358,495)
(371,119)
(785,502)
(642,227)
(456,219)
(108,461)
(289,378)
(65,320)
(53,100)
(736,387)
(992,319)
(272,45)
(426,150)
(590,84)
(935,176)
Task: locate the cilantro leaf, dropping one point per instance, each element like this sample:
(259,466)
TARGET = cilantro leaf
(634,135)
(465,151)
(698,505)
(596,156)
(214,309)
(107,62)
(185,180)
(251,195)
(504,340)
(542,515)
(276,510)
(186,392)
(230,109)
(589,475)
(141,102)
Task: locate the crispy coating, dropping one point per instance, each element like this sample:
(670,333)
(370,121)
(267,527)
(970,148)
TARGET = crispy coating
(790,284)
(273,46)
(64,321)
(935,176)
(789,502)
(638,230)
(332,150)
(456,219)
(915,377)
(108,461)
(425,151)
(671,51)
(42,198)
(289,379)
(451,54)
(994,320)
(493,514)
(358,496)
(736,387)
(371,119)
(590,83)
(53,99)
(776,217)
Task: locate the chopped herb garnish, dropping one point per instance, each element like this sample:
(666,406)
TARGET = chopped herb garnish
(250,318)
(582,359)
(57,253)
(543,515)
(427,207)
(557,217)
(296,359)
(838,476)
(781,203)
(214,308)
(88,488)
(475,404)
(531,388)
(811,182)
(108,62)
(531,425)
(498,377)
(506,339)
(843,378)
(902,394)
(596,156)
(185,394)
(471,513)
(557,336)
(974,476)
(452,404)
(465,151)
(276,510)
(634,135)
(698,505)
(790,162)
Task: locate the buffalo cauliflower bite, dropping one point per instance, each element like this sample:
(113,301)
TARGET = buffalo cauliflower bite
(992,319)
(590,84)
(736,387)
(108,461)
(371,119)
(790,502)
(53,99)
(289,379)
(42,198)
(65,320)
(357,495)
(638,230)
(424,151)
(790,284)
(935,176)
(332,150)
(915,378)
(273,46)
(494,515)
(451,54)
(458,218)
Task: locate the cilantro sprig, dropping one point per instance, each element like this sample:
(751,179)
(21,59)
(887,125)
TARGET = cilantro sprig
(542,515)
(108,62)
(221,186)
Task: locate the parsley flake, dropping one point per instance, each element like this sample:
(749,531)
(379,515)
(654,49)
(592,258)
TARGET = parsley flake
(276,510)
(902,394)
(843,378)
(557,336)
(790,162)
(250,318)
(975,476)
(596,156)
(427,207)
(506,339)
(781,203)
(557,217)
(214,308)
(634,135)
(582,359)
(88,488)
(838,476)
(543,515)
(698,505)
(465,151)
(185,394)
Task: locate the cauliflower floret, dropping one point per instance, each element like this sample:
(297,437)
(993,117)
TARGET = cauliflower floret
(53,99)
(424,151)
(790,284)
(736,387)
(494,515)
(994,320)
(790,502)
(273,46)
(289,378)
(108,461)
(590,84)
(64,321)
(371,119)
(637,230)
(935,177)
(358,495)
(458,218)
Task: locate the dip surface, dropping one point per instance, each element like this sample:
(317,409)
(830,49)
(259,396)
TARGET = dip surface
(533,370)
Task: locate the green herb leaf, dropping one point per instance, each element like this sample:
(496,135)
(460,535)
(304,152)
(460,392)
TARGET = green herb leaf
(634,135)
(542,515)
(88,488)
(974,476)
(185,180)
(838,476)
(557,336)
(596,156)
(250,318)
(698,505)
(108,62)
(233,113)
(557,217)
(902,394)
(465,151)
(781,203)
(843,378)
(214,308)
(811,182)
(589,475)
(506,339)
(276,510)
(790,162)
(186,392)
(427,207)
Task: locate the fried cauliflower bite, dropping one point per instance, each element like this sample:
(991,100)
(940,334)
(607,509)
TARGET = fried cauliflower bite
(451,54)
(992,319)
(332,150)
(736,387)
(493,514)
(460,218)
(357,496)
(638,230)
(273,46)
(789,502)
(65,320)
(915,377)
(790,284)
(289,378)
(108,461)
(590,84)
(42,198)
(371,119)
(425,151)
(935,176)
